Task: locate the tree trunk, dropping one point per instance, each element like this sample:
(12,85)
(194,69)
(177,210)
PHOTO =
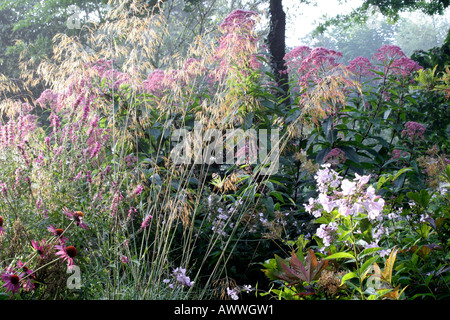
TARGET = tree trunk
(277,44)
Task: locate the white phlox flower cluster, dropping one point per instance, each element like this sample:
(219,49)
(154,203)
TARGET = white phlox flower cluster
(350,198)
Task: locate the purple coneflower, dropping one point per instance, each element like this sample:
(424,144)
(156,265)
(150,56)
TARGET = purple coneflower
(58,232)
(66,253)
(77,216)
(28,285)
(2,230)
(40,248)
(11,280)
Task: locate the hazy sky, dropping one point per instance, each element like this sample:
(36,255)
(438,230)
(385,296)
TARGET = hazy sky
(306,17)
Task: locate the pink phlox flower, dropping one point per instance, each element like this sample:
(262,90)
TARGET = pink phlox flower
(233,293)
(327,233)
(362,180)
(327,203)
(180,276)
(348,187)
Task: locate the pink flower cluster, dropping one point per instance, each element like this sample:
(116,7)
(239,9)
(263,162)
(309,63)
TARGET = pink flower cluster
(309,65)
(361,66)
(146,222)
(335,157)
(47,98)
(238,45)
(414,131)
(106,72)
(239,19)
(17,131)
(395,61)
(397,153)
(295,57)
(388,53)
(318,63)
(20,276)
(154,84)
(13,280)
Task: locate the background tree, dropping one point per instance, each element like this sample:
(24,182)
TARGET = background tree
(391,9)
(413,32)
(28,28)
(276,41)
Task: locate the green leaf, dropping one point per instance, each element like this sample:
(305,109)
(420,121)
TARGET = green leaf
(365,267)
(381,181)
(350,154)
(277,195)
(348,276)
(341,255)
(400,172)
(268,202)
(322,220)
(368,251)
